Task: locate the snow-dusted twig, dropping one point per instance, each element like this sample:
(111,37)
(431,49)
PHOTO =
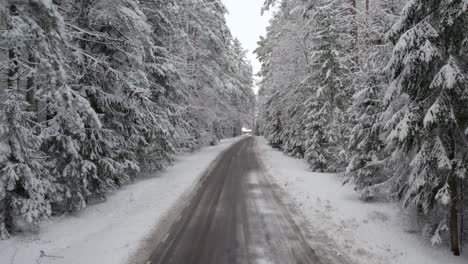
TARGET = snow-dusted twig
(44,255)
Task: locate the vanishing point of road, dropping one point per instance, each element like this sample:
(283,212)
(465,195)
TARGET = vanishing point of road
(235,216)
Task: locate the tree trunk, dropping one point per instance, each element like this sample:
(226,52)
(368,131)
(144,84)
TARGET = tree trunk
(355,27)
(461,213)
(12,85)
(456,200)
(13,65)
(453,216)
(354,31)
(32,104)
(3,212)
(367,41)
(12,69)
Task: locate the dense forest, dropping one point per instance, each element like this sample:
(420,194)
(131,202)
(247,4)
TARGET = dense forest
(95,93)
(376,90)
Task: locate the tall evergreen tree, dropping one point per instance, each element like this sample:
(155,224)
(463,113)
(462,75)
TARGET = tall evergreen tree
(429,80)
(407,140)
(34,102)
(99,90)
(118,73)
(24,184)
(366,150)
(285,58)
(329,79)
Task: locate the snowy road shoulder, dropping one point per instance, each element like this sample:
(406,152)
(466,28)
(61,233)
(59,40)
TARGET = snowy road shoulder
(365,233)
(110,232)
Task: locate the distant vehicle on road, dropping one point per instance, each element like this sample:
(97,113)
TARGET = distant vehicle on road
(246,132)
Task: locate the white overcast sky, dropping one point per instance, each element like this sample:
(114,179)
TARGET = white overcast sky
(247,24)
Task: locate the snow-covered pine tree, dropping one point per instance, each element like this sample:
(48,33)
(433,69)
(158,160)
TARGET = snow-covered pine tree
(428,71)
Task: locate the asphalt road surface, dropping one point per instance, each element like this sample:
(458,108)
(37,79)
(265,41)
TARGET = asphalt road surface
(235,217)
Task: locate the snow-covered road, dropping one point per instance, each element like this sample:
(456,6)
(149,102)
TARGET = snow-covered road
(237,217)
(287,207)
(110,232)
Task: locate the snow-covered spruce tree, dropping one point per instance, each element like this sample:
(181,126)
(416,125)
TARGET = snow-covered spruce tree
(214,61)
(312,65)
(241,83)
(61,111)
(36,42)
(308,61)
(203,44)
(367,156)
(209,69)
(429,86)
(284,55)
(318,153)
(295,89)
(166,97)
(229,71)
(118,72)
(24,184)
(169,21)
(332,51)
(91,98)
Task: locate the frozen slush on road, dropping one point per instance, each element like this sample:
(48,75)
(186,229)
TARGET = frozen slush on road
(236,216)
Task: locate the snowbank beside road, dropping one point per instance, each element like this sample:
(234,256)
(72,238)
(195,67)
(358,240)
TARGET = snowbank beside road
(366,233)
(110,232)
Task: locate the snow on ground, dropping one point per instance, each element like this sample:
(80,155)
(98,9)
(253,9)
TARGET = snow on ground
(108,233)
(366,233)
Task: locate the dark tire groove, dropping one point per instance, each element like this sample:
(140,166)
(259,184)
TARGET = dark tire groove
(235,217)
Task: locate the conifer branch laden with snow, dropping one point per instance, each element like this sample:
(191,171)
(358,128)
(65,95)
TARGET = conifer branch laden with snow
(382,98)
(99,91)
